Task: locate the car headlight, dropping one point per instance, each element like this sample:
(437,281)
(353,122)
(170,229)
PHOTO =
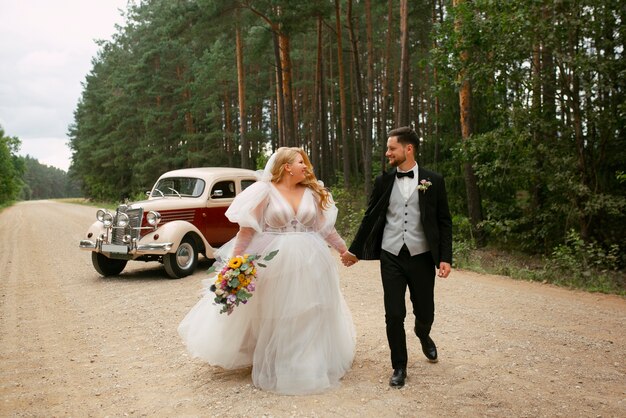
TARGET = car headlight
(153,218)
(107,219)
(122,220)
(100,214)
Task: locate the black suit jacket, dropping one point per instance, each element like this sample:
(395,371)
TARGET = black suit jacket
(434,213)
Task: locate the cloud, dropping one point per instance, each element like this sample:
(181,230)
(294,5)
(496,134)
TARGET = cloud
(51,151)
(46,50)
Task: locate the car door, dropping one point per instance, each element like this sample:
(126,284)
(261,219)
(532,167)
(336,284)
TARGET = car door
(217,229)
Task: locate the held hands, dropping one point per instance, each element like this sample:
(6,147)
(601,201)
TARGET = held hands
(348,259)
(444,269)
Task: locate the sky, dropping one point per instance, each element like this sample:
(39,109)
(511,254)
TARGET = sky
(46,49)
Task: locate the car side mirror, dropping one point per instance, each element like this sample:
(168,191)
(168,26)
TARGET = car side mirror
(148,193)
(218,193)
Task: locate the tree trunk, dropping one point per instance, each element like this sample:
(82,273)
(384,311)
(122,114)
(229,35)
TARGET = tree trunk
(318,106)
(280,108)
(333,157)
(285,59)
(241,86)
(283,77)
(385,86)
(402,117)
(273,114)
(228,129)
(437,105)
(345,152)
(369,114)
(357,76)
(325,167)
(474,204)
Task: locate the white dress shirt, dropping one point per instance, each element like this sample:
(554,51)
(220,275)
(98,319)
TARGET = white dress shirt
(407,184)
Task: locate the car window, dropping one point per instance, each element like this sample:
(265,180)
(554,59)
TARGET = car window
(183,186)
(223,190)
(246,183)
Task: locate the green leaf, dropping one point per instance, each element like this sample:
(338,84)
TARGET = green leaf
(270,255)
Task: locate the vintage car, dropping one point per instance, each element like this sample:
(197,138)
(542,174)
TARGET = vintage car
(182,218)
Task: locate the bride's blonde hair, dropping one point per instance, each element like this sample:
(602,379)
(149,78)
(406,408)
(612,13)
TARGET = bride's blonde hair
(288,155)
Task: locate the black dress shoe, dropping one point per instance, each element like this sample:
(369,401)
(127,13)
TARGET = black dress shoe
(397,378)
(429,349)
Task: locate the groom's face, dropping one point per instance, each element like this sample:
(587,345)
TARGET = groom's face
(396,153)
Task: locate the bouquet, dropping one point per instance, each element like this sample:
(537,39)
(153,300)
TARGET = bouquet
(236,280)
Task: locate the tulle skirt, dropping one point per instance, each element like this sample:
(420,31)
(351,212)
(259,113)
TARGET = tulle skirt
(296,331)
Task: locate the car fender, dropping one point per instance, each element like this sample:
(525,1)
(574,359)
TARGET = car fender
(93,236)
(95,231)
(174,232)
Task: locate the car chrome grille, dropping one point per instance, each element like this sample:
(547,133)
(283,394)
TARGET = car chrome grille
(177,215)
(134,222)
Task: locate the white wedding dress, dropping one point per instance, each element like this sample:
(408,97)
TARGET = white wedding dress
(296,331)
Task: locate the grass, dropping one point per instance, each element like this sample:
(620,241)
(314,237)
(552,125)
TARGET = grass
(88,202)
(6,204)
(538,269)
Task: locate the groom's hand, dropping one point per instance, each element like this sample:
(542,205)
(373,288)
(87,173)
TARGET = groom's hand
(348,259)
(444,269)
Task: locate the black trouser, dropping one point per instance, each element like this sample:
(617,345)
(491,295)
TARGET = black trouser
(398,272)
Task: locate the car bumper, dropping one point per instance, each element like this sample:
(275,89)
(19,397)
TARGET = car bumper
(158,248)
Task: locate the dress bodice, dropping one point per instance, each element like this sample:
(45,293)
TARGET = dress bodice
(280,216)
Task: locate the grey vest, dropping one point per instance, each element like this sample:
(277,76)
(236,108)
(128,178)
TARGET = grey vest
(403,224)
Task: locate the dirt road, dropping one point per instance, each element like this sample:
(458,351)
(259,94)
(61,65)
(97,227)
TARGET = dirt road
(75,344)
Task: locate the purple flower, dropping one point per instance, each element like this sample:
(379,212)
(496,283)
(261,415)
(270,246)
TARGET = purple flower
(251,287)
(424,185)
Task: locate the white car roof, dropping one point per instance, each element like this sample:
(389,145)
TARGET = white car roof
(208,171)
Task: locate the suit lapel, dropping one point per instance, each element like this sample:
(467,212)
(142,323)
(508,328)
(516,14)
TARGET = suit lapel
(421,196)
(388,181)
(373,238)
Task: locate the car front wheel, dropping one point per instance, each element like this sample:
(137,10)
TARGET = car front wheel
(182,262)
(107,266)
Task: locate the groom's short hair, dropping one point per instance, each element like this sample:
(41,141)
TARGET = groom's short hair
(405,136)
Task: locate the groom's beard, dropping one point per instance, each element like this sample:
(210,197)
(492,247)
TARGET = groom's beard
(397,161)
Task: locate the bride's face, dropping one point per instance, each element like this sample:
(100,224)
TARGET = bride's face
(298,168)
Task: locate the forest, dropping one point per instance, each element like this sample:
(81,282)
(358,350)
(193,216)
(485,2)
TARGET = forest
(25,178)
(519,104)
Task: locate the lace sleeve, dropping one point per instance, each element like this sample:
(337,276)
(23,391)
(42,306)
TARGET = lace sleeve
(335,241)
(326,220)
(243,239)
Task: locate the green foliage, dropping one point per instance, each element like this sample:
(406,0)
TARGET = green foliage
(46,182)
(563,268)
(24,178)
(11,168)
(351,208)
(547,103)
(583,258)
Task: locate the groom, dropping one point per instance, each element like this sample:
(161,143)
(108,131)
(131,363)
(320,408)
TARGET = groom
(407,226)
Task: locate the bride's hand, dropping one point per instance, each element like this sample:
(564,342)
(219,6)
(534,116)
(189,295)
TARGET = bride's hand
(348,259)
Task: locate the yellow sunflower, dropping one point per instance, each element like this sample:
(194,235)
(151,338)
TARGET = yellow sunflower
(235,262)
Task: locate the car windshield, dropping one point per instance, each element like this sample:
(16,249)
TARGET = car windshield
(178,186)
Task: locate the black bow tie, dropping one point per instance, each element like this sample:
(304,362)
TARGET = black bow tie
(400,174)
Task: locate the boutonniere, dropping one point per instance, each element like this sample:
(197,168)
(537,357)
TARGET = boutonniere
(424,185)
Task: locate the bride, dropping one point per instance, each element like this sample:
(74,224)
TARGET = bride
(296,331)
